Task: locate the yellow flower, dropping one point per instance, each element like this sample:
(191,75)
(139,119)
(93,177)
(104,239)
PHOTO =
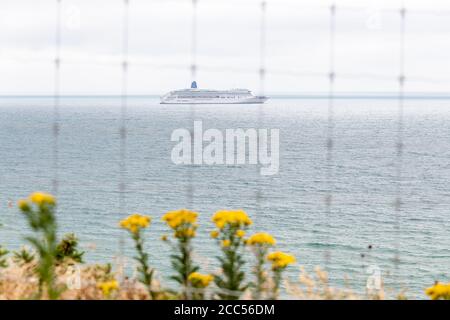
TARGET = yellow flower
(280,259)
(177,218)
(439,291)
(226,243)
(41,198)
(220,224)
(135,222)
(234,218)
(214,234)
(108,286)
(23,205)
(261,238)
(240,233)
(183,222)
(199,280)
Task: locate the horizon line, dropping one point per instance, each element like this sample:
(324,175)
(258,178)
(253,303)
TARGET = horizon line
(341,95)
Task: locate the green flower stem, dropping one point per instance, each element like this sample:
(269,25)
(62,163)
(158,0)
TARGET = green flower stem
(259,272)
(43,220)
(144,269)
(183,264)
(277,273)
(187,263)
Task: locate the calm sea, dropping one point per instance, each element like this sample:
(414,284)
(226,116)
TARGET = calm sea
(291,204)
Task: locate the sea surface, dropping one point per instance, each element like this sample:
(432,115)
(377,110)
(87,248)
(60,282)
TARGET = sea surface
(290,205)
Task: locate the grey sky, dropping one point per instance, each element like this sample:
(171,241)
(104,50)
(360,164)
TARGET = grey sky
(367,45)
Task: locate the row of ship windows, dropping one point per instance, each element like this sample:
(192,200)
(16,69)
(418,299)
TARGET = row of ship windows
(204,97)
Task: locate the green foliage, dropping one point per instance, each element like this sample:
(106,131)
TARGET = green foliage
(41,219)
(233,278)
(145,272)
(183,264)
(276,282)
(23,257)
(3,260)
(68,249)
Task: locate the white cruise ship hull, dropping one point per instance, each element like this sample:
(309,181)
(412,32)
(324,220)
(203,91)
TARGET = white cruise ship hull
(250,100)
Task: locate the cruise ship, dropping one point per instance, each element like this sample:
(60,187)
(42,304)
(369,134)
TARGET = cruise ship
(195,95)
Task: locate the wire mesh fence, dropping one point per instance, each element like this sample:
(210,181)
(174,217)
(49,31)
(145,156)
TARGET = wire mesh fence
(261,8)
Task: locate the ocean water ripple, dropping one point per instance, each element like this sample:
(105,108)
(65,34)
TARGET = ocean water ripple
(291,205)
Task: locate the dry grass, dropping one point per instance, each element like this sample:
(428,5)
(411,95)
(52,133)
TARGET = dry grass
(317,287)
(77,282)
(80,282)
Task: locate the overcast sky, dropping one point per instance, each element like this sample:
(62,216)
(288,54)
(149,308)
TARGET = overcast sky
(228,54)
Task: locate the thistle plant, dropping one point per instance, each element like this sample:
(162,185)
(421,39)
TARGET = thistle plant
(3,254)
(184,225)
(280,261)
(39,209)
(199,282)
(260,243)
(67,249)
(135,223)
(439,291)
(231,228)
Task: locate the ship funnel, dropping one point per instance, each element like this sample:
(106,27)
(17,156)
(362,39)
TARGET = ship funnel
(194,85)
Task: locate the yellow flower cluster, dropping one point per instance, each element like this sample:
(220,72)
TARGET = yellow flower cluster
(280,259)
(199,280)
(261,238)
(38,198)
(176,218)
(108,286)
(235,218)
(135,222)
(439,291)
(183,221)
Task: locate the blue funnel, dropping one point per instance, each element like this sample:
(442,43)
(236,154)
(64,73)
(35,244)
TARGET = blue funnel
(194,85)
